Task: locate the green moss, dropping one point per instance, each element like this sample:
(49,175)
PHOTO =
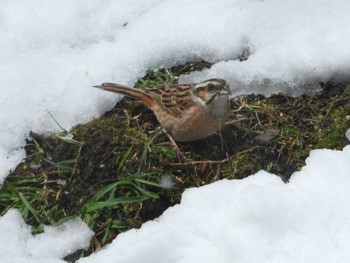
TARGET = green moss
(333,121)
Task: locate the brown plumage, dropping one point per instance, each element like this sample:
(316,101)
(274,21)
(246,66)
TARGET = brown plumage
(188,112)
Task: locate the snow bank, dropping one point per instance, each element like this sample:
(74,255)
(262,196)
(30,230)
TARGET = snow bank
(257,219)
(19,245)
(53,52)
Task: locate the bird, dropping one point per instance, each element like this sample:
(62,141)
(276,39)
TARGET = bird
(187,112)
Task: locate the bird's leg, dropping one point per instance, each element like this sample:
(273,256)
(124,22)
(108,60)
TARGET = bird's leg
(180,155)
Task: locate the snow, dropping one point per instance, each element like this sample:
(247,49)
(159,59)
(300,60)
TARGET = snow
(258,219)
(19,245)
(51,53)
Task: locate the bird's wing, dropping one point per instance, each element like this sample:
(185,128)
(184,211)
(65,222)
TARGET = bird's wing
(175,99)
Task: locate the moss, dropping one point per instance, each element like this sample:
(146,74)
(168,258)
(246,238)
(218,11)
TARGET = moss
(333,120)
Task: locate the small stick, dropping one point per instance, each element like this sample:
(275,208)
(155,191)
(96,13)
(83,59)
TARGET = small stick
(214,161)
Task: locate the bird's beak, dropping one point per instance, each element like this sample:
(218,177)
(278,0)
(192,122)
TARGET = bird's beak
(225,91)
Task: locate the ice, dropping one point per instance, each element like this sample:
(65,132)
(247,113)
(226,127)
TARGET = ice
(19,245)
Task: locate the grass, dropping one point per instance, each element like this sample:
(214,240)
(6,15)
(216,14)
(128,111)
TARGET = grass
(119,171)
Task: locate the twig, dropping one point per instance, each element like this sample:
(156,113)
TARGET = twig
(214,161)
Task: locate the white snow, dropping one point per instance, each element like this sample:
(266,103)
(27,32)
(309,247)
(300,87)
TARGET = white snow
(258,219)
(17,244)
(52,52)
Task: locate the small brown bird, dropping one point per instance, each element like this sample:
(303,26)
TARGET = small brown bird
(187,112)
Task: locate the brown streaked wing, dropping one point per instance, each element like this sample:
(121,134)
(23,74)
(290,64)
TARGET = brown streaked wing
(175,99)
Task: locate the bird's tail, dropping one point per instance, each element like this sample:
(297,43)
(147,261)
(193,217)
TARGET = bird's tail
(128,91)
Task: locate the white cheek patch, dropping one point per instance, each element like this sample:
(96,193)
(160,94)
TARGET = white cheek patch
(198,100)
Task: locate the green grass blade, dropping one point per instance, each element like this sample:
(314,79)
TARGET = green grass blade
(62,168)
(114,202)
(148,183)
(103,191)
(126,155)
(29,207)
(147,193)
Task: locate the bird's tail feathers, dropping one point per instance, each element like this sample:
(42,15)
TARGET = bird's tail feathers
(127,91)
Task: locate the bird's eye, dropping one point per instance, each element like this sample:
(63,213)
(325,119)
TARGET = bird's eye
(211,87)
